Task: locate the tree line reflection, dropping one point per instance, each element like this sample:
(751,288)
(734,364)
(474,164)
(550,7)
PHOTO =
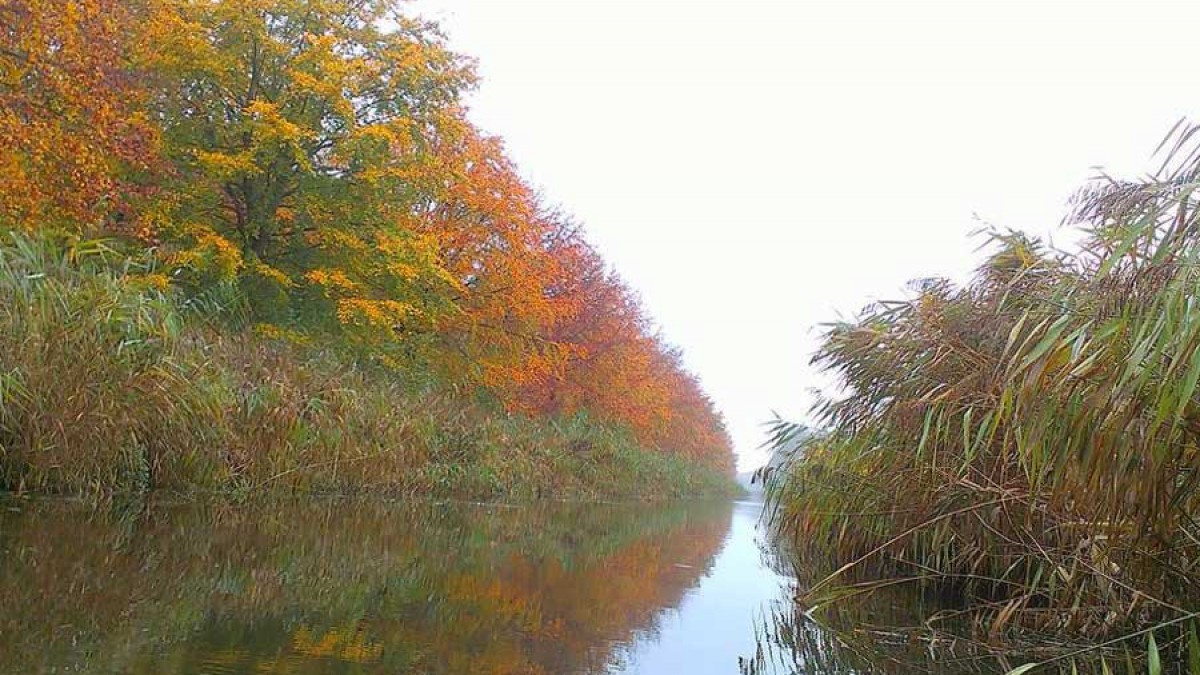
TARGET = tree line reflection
(342,586)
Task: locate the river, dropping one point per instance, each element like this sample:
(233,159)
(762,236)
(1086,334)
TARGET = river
(355,586)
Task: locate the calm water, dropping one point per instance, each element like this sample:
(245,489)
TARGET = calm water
(330,586)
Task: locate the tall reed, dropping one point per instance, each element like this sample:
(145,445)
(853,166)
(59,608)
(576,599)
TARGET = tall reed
(1029,439)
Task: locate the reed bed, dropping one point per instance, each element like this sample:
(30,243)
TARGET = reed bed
(1030,439)
(112,383)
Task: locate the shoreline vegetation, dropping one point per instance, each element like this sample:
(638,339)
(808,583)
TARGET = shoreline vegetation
(259,245)
(1027,442)
(112,385)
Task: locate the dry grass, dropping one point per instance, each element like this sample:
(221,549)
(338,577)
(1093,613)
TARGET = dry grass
(1031,439)
(108,384)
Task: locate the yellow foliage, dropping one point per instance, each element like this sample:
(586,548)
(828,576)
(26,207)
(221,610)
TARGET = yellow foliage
(279,128)
(333,239)
(373,313)
(224,166)
(268,272)
(331,279)
(211,253)
(273,332)
(158,281)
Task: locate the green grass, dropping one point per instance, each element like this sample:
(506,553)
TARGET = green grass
(108,384)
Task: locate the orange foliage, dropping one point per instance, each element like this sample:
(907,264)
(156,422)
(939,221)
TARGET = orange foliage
(545,324)
(623,371)
(493,238)
(71,133)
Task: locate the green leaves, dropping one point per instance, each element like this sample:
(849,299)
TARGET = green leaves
(1193,650)
(1153,660)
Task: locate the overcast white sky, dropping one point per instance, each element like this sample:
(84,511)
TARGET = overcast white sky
(756,168)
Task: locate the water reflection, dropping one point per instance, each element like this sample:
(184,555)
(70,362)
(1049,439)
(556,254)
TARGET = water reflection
(875,636)
(890,630)
(336,586)
(343,587)
(714,623)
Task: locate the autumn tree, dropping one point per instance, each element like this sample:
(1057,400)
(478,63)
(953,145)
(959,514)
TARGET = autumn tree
(506,251)
(75,143)
(302,130)
(617,367)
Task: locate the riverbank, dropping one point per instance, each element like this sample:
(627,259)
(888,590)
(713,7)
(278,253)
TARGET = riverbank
(113,382)
(244,259)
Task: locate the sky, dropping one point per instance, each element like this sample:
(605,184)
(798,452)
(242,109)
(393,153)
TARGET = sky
(758,168)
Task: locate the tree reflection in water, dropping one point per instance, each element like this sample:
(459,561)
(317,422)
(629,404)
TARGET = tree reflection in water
(337,586)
